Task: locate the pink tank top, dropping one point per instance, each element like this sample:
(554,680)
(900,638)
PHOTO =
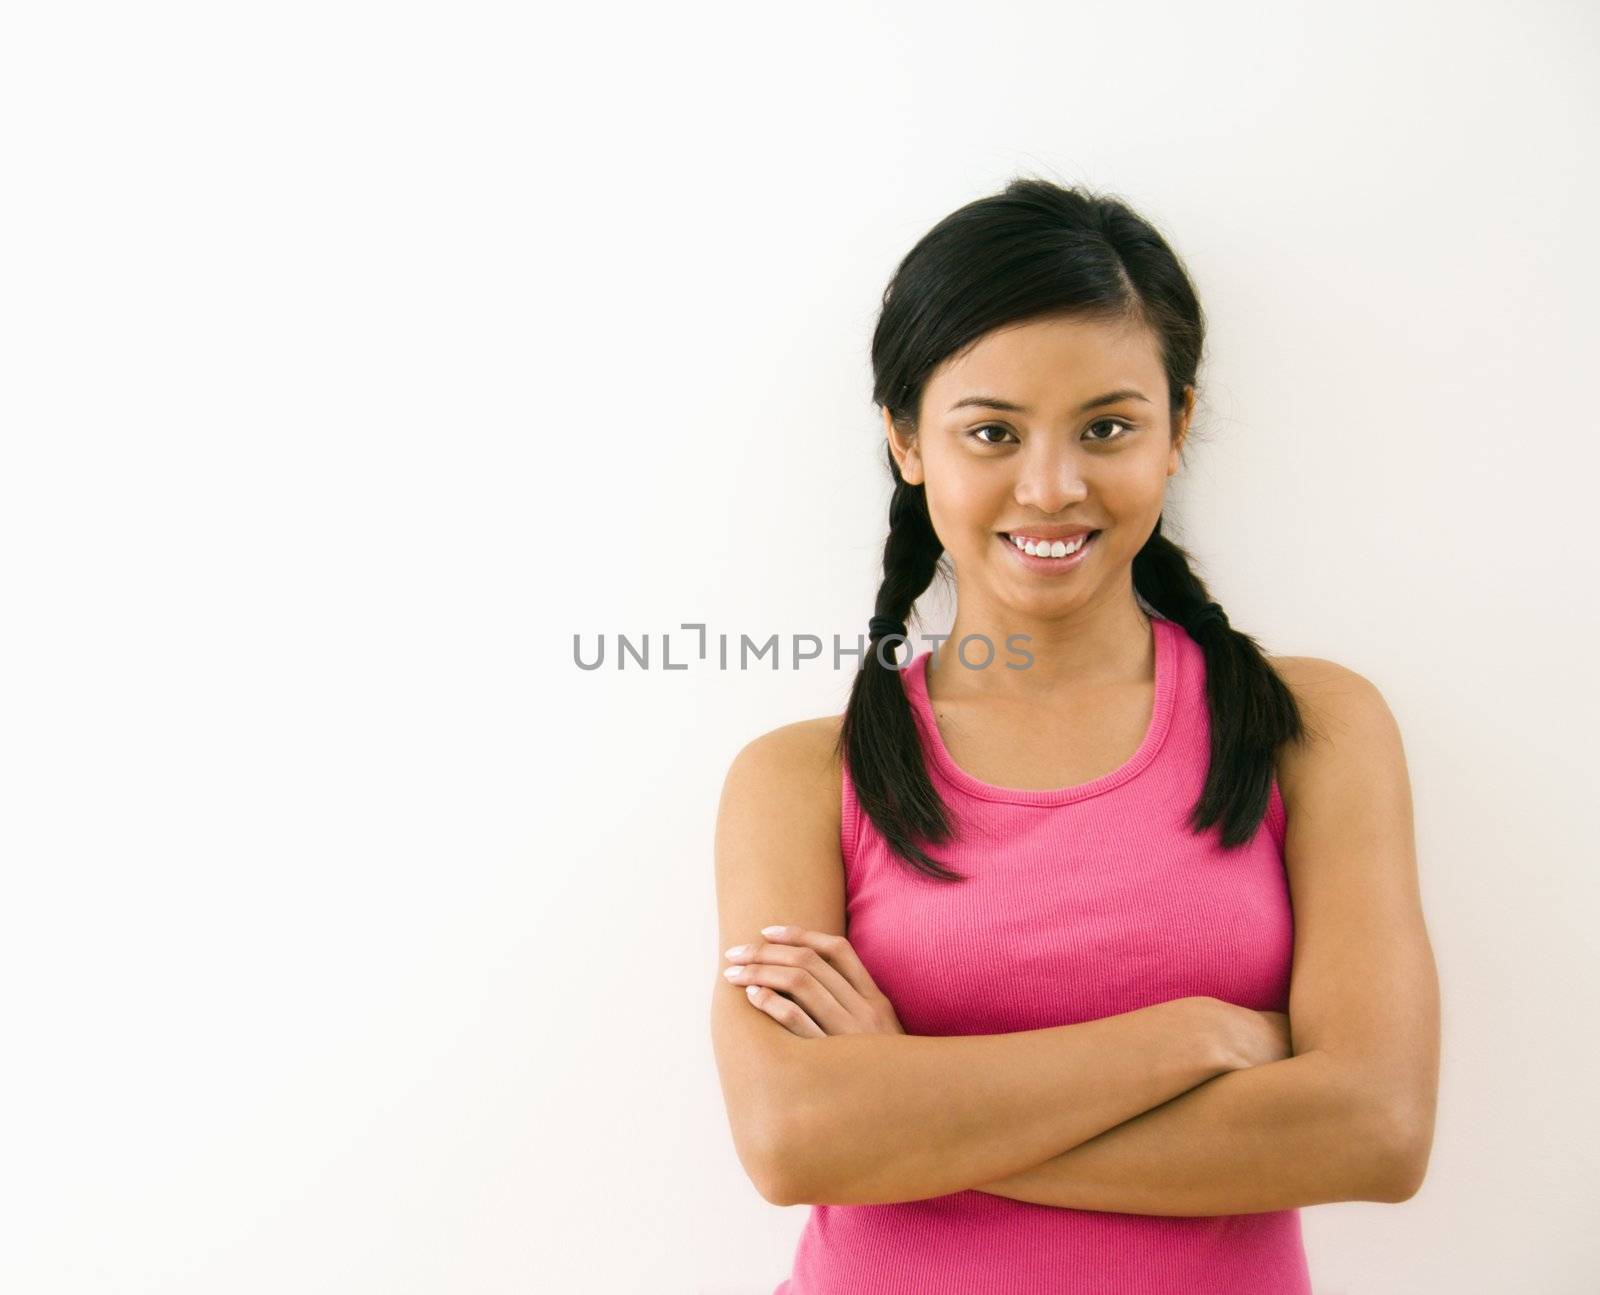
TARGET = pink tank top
(1083,902)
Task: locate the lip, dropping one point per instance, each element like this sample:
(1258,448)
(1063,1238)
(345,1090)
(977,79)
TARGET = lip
(1052,530)
(1049,566)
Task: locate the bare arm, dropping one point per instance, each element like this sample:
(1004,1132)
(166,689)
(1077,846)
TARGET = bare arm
(1290,1133)
(895,1117)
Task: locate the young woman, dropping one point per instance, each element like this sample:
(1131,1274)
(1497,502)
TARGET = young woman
(1084,949)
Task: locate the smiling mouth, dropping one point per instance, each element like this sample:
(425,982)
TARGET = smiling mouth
(1044,549)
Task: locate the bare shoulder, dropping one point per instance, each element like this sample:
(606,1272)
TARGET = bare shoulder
(1315,679)
(1348,722)
(819,736)
(1330,692)
(802,756)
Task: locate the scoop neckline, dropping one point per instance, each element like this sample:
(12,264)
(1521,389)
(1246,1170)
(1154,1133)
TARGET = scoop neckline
(1166,684)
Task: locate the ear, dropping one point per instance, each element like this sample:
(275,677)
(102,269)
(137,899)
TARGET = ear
(907,456)
(1180,432)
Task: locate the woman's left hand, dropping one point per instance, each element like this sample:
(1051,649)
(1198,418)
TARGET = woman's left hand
(825,989)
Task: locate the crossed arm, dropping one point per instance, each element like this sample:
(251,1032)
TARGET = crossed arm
(1277,1136)
(1350,1116)
(1347,1116)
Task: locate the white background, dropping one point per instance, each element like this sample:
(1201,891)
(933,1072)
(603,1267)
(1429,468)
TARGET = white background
(355,357)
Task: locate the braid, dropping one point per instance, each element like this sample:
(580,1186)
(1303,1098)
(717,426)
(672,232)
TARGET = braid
(878,736)
(910,553)
(1252,710)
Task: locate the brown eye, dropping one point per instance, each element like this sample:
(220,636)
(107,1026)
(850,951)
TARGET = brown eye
(987,427)
(1110,422)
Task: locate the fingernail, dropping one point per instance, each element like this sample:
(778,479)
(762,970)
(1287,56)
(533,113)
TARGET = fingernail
(773,930)
(733,973)
(738,951)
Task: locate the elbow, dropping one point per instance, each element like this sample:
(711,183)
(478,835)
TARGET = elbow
(764,1166)
(777,1182)
(780,1167)
(1403,1148)
(803,1166)
(1394,1133)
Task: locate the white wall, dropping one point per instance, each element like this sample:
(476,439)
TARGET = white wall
(357,356)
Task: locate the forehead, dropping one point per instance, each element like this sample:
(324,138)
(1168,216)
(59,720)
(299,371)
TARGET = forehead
(1051,361)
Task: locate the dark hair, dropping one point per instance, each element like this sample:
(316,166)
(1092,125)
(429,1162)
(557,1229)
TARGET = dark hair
(1033,250)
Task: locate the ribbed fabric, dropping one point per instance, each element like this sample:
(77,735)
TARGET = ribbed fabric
(1083,902)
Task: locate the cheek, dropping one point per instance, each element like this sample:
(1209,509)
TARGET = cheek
(1135,485)
(961,501)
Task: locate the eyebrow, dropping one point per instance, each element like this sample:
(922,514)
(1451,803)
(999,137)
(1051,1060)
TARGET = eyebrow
(994,402)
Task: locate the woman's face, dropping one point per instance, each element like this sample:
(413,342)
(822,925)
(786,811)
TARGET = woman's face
(1013,434)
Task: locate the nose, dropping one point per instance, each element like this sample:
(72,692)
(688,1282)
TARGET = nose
(1049,478)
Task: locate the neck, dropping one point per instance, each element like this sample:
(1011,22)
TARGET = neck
(1091,646)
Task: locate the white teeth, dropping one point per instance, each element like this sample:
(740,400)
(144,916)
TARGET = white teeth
(1050,548)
